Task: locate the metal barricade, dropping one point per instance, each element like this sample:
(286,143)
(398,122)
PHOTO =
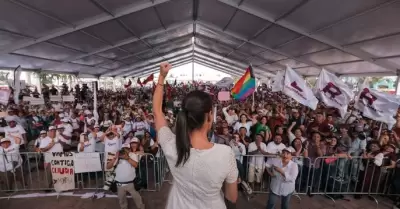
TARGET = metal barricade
(27,172)
(259,179)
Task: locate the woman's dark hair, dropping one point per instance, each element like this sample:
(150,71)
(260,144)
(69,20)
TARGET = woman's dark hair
(241,117)
(192,116)
(266,118)
(294,147)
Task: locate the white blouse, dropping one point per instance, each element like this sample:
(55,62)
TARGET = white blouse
(194,185)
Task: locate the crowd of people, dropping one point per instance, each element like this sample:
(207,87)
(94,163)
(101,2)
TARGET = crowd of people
(272,139)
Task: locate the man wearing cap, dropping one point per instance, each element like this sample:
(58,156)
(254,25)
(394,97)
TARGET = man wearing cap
(36,123)
(43,134)
(15,130)
(127,125)
(48,145)
(140,126)
(64,137)
(283,174)
(95,135)
(125,163)
(10,162)
(89,119)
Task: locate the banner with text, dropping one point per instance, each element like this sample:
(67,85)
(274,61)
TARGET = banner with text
(62,170)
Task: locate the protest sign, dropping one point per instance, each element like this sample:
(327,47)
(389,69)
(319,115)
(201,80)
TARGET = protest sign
(224,96)
(68,98)
(62,171)
(55,98)
(87,162)
(4,96)
(33,100)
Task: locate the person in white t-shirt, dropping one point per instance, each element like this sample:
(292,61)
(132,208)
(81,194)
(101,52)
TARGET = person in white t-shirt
(75,122)
(86,144)
(256,168)
(10,162)
(15,130)
(140,126)
(127,126)
(64,137)
(47,146)
(274,149)
(125,173)
(68,129)
(95,134)
(112,142)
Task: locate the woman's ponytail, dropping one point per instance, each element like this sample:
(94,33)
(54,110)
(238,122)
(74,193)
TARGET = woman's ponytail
(182,139)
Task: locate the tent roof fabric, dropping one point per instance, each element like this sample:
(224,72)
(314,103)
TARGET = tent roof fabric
(131,37)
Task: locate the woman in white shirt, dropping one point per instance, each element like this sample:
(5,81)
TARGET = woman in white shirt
(284,173)
(243,123)
(190,154)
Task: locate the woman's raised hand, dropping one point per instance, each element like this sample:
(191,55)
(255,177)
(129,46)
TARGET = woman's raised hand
(164,68)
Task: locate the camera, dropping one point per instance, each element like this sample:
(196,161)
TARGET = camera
(121,153)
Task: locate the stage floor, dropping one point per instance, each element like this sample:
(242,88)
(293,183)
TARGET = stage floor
(157,200)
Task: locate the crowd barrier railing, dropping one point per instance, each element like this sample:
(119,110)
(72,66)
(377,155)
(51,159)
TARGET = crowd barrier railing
(26,172)
(333,177)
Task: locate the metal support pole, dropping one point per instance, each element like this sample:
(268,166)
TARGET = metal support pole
(192,71)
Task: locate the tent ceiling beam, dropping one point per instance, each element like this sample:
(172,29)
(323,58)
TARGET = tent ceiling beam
(204,62)
(353,51)
(127,68)
(155,69)
(299,59)
(94,21)
(144,68)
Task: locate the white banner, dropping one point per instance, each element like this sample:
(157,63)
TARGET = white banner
(55,98)
(33,100)
(4,96)
(377,105)
(225,82)
(296,88)
(277,81)
(62,171)
(333,92)
(87,162)
(68,98)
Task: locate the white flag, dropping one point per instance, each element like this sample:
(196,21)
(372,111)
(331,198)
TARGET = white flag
(277,81)
(296,87)
(333,92)
(377,105)
(225,82)
(17,84)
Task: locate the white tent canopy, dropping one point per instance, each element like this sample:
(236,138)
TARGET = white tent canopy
(131,37)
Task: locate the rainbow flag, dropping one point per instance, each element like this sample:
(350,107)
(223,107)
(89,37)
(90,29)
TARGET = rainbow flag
(245,86)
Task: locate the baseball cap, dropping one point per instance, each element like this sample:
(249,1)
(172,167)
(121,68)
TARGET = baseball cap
(288,149)
(126,145)
(5,140)
(52,128)
(96,125)
(10,118)
(60,126)
(134,140)
(43,132)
